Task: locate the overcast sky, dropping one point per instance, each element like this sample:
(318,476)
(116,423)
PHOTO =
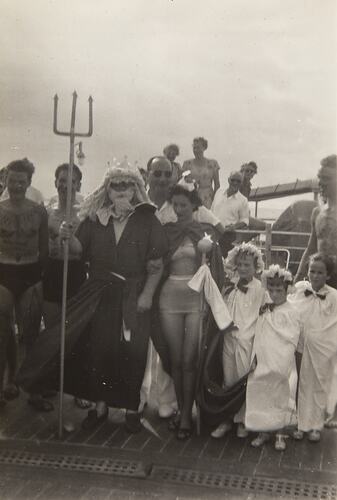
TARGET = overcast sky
(257,78)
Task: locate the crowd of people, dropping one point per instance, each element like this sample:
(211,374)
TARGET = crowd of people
(135,246)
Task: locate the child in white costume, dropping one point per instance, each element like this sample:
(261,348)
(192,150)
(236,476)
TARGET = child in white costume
(244,297)
(269,392)
(317,303)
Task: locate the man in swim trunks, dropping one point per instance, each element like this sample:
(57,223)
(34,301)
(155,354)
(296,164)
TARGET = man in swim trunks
(323,236)
(23,252)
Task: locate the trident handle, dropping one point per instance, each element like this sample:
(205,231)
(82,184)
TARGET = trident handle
(71,134)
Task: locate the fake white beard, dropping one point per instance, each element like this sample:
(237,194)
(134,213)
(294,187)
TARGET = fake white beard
(122,207)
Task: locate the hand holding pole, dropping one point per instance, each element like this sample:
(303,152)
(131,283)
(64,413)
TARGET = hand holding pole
(71,134)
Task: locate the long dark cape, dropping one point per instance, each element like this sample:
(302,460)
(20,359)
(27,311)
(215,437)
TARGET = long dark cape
(217,403)
(94,360)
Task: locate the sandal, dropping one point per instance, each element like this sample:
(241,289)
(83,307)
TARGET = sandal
(84,404)
(298,435)
(183,434)
(174,423)
(280,444)
(93,420)
(11,392)
(314,436)
(41,404)
(262,438)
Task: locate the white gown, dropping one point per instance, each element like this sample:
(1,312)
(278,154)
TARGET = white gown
(319,347)
(237,346)
(270,393)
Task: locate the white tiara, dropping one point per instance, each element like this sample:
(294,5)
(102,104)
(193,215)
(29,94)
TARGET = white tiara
(276,271)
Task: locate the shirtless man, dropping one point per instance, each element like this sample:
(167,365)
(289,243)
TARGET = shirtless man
(323,236)
(23,252)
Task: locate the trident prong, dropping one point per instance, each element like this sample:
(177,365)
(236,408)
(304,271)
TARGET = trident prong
(75,134)
(71,134)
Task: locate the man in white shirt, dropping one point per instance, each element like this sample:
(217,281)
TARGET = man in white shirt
(232,209)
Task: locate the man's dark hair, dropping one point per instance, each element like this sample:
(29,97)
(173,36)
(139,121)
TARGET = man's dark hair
(23,165)
(65,166)
(171,146)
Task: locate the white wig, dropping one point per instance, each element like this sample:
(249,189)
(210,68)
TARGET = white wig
(118,172)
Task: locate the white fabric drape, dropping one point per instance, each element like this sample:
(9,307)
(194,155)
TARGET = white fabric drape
(203,281)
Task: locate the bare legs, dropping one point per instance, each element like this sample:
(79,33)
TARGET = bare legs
(181,332)
(6,311)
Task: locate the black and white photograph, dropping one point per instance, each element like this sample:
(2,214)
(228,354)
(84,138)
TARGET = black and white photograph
(168,250)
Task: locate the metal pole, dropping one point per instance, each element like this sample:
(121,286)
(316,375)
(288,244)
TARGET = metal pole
(268,245)
(201,333)
(65,263)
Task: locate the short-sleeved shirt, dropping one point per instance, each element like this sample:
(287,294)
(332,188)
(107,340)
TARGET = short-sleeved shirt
(230,209)
(143,239)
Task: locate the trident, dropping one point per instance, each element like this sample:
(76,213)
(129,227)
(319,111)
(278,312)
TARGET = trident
(72,134)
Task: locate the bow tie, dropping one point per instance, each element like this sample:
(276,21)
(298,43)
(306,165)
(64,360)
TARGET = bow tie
(270,306)
(307,293)
(241,285)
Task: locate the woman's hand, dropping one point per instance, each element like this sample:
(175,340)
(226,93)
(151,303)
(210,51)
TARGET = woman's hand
(66,230)
(144,302)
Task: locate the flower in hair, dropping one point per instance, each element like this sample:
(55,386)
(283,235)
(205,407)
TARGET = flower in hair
(243,249)
(276,271)
(188,184)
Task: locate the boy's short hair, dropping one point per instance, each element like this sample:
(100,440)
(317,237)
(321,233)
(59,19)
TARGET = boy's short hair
(327,260)
(23,165)
(65,166)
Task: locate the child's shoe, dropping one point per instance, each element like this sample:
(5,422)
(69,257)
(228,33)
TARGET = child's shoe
(221,430)
(314,436)
(280,444)
(241,431)
(298,435)
(262,438)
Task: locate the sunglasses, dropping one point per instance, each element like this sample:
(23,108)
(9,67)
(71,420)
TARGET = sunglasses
(159,173)
(120,186)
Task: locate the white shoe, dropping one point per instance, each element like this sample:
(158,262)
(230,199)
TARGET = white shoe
(241,431)
(262,438)
(298,435)
(166,411)
(221,430)
(314,436)
(280,444)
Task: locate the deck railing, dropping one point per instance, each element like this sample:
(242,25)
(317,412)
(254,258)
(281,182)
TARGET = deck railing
(263,239)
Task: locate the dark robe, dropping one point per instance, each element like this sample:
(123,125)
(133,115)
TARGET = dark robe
(100,363)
